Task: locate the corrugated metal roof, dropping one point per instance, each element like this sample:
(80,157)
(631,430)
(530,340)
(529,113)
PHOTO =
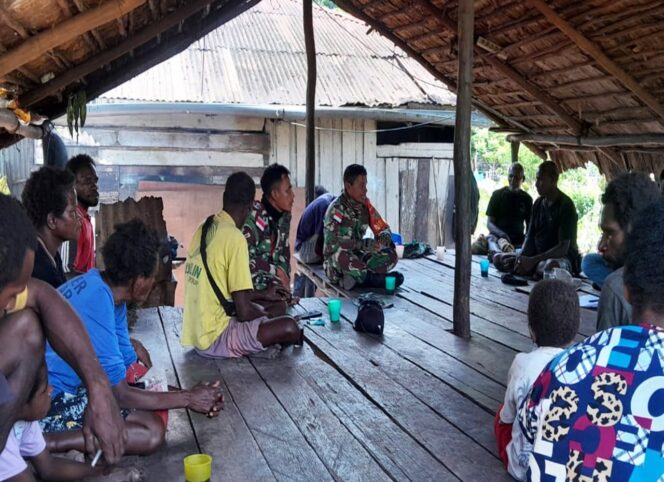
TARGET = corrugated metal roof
(259,58)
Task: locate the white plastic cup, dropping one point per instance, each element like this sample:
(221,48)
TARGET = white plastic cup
(399,249)
(440,253)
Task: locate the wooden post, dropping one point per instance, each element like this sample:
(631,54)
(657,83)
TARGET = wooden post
(310,46)
(515,151)
(462,173)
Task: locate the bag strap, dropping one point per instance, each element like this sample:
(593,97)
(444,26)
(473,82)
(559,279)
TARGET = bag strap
(229,306)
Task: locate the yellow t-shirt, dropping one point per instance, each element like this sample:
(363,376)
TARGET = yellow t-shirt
(228,260)
(21,301)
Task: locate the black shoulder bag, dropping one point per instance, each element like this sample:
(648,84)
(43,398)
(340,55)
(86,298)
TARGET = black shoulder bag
(229,306)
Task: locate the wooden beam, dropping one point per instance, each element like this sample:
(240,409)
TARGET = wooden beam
(64,32)
(605,141)
(515,151)
(310,45)
(66,9)
(100,40)
(595,52)
(103,81)
(508,71)
(462,172)
(98,61)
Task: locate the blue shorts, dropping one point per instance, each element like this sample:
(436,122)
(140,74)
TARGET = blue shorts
(67,412)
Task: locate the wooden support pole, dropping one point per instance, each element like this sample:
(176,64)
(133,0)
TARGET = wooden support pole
(515,151)
(310,46)
(64,32)
(98,61)
(462,173)
(596,53)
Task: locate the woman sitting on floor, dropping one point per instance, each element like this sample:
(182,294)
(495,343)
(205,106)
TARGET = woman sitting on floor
(130,256)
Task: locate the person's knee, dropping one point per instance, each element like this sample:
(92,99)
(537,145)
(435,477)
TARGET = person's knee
(156,432)
(290,329)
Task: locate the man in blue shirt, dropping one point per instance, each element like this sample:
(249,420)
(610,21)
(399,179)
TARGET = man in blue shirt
(99,297)
(309,237)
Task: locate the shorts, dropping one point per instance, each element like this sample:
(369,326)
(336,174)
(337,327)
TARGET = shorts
(67,412)
(238,339)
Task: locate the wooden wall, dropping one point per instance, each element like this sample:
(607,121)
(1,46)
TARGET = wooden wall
(407,182)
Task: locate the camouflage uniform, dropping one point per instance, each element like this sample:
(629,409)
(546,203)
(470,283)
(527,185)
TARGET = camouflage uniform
(269,248)
(346,253)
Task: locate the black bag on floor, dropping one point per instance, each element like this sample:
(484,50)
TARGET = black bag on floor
(370,317)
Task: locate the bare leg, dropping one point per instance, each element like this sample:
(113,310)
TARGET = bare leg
(146,434)
(283,331)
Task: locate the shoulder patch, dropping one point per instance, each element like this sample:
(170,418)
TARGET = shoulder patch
(338,217)
(260,224)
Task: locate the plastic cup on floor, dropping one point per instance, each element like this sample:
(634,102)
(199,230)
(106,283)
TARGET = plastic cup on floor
(440,253)
(484,268)
(198,468)
(390,284)
(399,249)
(334,309)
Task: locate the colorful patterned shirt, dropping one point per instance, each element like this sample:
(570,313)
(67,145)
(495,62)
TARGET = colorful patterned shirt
(269,247)
(596,412)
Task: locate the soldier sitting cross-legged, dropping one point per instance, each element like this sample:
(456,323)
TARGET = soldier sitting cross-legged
(351,260)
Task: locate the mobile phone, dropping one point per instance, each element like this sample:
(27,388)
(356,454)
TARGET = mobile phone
(308,315)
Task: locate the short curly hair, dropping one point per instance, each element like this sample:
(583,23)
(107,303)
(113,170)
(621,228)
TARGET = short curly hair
(17,236)
(80,161)
(629,194)
(553,313)
(131,251)
(46,192)
(644,270)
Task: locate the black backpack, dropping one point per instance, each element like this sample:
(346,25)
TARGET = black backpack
(370,317)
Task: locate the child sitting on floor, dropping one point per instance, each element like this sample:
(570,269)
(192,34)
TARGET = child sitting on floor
(26,440)
(553,320)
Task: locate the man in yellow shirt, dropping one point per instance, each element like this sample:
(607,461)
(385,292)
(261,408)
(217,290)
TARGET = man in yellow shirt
(31,312)
(236,320)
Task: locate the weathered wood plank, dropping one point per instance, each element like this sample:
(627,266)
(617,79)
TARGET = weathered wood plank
(180,439)
(238,456)
(465,458)
(343,455)
(211,122)
(392,194)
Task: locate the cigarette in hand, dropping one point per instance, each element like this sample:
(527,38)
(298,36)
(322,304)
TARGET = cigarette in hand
(96,458)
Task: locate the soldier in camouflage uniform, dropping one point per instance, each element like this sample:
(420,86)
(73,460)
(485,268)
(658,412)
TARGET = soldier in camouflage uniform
(350,260)
(267,229)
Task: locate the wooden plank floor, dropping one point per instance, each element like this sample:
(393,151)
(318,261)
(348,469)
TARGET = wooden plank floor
(415,404)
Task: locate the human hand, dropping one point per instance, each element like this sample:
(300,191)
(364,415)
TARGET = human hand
(141,352)
(524,265)
(103,426)
(206,398)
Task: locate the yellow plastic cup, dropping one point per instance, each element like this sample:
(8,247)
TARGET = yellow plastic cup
(197,468)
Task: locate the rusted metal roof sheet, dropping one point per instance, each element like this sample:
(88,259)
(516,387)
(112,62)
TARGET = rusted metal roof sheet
(259,58)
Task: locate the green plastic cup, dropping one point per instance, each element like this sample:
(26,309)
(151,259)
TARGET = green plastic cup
(334,309)
(390,284)
(198,468)
(484,268)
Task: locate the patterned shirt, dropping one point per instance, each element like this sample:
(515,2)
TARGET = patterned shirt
(269,247)
(596,412)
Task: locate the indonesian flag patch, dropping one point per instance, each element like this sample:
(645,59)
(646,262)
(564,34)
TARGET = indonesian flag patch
(261,224)
(338,217)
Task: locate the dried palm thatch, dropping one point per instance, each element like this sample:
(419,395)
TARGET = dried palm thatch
(548,70)
(52,48)
(557,74)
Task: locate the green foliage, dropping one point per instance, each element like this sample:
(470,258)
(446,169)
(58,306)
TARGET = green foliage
(326,3)
(492,156)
